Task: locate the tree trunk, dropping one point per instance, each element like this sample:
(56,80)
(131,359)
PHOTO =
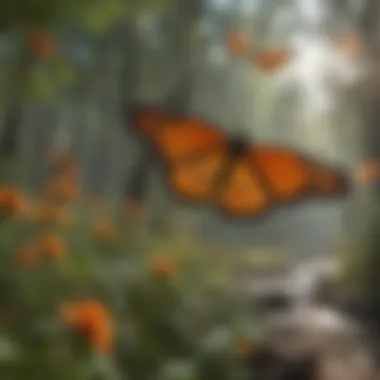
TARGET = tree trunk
(367,278)
(11,127)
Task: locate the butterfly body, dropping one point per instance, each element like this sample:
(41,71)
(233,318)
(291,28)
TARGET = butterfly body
(243,179)
(237,147)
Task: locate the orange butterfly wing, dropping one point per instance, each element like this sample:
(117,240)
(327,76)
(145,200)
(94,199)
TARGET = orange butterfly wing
(241,194)
(261,178)
(195,155)
(193,152)
(287,174)
(183,139)
(269,177)
(290,175)
(195,180)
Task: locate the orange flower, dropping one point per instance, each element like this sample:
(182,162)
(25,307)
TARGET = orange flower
(271,60)
(237,44)
(52,245)
(62,188)
(27,255)
(91,319)
(105,231)
(41,43)
(12,201)
(161,267)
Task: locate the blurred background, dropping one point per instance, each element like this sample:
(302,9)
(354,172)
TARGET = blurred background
(95,286)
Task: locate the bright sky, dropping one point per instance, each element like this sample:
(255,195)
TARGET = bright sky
(312,10)
(320,69)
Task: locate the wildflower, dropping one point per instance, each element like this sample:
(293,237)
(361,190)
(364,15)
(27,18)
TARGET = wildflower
(41,43)
(105,231)
(161,267)
(52,245)
(92,320)
(12,201)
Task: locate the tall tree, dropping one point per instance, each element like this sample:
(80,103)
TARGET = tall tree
(366,278)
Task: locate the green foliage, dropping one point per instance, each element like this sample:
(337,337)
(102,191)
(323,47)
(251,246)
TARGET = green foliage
(46,81)
(96,14)
(38,13)
(47,13)
(44,76)
(169,301)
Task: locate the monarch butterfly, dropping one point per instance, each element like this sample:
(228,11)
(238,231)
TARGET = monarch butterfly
(271,60)
(268,60)
(237,44)
(206,166)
